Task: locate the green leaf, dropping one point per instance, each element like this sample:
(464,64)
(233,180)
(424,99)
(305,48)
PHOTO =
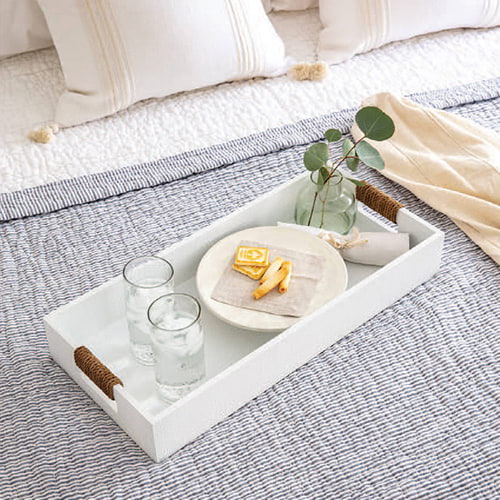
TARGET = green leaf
(347,145)
(321,178)
(316,156)
(332,135)
(323,175)
(352,163)
(356,182)
(374,123)
(369,155)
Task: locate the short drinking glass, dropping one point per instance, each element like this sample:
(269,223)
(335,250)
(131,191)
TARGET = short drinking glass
(178,344)
(146,279)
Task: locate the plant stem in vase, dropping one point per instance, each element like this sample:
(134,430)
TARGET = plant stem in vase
(329,200)
(335,207)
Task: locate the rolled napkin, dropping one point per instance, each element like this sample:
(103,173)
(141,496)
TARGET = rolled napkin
(372,248)
(447,161)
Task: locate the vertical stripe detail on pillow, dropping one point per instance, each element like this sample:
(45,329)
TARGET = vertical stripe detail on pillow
(126,80)
(376,14)
(113,53)
(491,12)
(248,59)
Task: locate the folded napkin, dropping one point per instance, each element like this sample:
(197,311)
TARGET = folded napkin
(374,249)
(447,161)
(235,289)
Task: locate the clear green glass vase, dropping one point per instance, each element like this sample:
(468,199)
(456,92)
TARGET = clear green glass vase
(335,208)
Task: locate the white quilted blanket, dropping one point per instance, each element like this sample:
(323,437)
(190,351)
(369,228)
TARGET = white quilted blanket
(153,129)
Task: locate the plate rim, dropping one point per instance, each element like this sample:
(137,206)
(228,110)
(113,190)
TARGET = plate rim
(293,320)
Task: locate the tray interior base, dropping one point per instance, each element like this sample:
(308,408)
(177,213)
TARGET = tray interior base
(224,345)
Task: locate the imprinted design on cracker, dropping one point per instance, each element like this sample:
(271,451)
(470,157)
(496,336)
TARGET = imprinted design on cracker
(252,256)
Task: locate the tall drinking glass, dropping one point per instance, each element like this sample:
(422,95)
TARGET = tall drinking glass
(178,344)
(146,279)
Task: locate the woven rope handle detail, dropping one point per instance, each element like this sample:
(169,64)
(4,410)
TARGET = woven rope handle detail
(100,374)
(378,201)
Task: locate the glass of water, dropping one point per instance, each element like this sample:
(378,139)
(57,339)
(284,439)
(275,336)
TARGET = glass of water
(178,344)
(146,279)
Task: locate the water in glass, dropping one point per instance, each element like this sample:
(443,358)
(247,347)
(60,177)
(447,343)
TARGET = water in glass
(178,345)
(146,279)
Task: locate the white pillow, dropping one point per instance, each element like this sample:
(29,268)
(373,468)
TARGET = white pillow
(22,27)
(360,25)
(117,52)
(270,5)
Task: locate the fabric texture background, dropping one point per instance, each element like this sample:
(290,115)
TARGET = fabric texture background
(361,25)
(406,406)
(88,188)
(117,52)
(31,84)
(450,163)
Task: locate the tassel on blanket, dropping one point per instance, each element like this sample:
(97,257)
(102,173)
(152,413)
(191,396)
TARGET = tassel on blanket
(309,71)
(44,135)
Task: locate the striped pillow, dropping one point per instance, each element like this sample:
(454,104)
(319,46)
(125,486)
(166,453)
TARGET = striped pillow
(117,52)
(361,25)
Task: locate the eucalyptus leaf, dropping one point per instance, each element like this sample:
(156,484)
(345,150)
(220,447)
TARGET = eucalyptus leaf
(332,135)
(323,175)
(356,182)
(347,145)
(320,179)
(316,156)
(369,155)
(352,163)
(374,123)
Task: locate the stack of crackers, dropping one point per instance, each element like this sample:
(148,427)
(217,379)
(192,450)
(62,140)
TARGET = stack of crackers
(254,263)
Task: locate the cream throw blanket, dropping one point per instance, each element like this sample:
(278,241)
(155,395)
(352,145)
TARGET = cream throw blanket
(447,161)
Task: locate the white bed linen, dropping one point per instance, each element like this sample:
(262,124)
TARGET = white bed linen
(30,85)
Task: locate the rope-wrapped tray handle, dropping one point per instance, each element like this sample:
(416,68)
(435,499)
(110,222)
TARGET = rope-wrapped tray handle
(379,201)
(100,374)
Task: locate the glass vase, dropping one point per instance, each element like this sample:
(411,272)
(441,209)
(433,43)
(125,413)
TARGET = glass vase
(335,208)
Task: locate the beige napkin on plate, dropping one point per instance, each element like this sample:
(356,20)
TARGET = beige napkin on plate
(236,289)
(447,161)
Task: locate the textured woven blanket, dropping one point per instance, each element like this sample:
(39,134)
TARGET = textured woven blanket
(406,406)
(31,83)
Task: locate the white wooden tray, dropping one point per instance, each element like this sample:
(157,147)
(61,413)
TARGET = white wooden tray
(126,391)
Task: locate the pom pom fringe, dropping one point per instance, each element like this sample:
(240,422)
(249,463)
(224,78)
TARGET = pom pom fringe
(309,71)
(44,135)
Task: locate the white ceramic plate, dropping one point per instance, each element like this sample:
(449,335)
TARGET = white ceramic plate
(214,262)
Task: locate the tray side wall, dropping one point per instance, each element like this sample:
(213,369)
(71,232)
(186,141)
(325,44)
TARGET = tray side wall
(122,410)
(253,374)
(257,372)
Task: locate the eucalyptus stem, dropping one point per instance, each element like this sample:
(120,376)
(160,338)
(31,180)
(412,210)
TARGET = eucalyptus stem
(327,181)
(312,208)
(324,207)
(375,125)
(337,165)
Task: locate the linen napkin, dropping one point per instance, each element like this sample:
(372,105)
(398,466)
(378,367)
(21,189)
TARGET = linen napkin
(374,249)
(235,289)
(447,161)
